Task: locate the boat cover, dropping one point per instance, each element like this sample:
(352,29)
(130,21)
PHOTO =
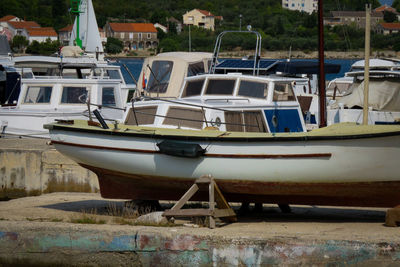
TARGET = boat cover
(384,95)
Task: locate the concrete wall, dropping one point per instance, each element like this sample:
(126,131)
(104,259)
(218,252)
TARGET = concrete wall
(27,171)
(82,245)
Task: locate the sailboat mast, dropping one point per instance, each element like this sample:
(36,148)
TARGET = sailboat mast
(366,61)
(321,59)
(75,9)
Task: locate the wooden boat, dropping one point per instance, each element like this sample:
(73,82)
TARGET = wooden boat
(343,164)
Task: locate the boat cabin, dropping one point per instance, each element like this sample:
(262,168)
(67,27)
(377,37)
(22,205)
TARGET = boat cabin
(227,102)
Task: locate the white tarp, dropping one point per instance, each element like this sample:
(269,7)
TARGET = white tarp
(384,95)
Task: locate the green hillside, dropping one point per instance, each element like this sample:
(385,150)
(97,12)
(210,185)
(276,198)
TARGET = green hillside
(281,29)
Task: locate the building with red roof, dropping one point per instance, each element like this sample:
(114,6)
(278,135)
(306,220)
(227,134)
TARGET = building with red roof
(200,18)
(42,34)
(135,36)
(388,28)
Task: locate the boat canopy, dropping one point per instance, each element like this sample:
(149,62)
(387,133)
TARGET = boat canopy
(384,95)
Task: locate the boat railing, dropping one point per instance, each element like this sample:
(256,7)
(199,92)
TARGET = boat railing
(257,53)
(227,99)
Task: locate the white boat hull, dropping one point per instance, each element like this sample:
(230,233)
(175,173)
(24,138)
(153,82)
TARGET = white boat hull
(361,170)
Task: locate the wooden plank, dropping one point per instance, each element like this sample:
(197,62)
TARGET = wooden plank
(205,179)
(192,190)
(220,199)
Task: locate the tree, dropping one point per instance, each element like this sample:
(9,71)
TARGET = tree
(19,43)
(46,48)
(114,46)
(389,16)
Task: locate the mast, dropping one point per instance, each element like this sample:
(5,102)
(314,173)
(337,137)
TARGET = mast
(75,9)
(366,61)
(321,59)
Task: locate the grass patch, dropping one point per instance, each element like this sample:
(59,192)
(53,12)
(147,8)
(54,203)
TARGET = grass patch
(86,219)
(56,220)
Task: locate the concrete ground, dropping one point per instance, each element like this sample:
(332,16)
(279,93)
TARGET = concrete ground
(41,230)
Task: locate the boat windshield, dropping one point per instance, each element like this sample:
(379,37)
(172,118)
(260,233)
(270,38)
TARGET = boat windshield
(220,87)
(193,88)
(114,74)
(283,91)
(161,69)
(38,95)
(253,89)
(73,95)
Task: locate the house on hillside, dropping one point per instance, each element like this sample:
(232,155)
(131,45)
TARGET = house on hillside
(64,35)
(308,6)
(356,18)
(174,21)
(135,36)
(386,8)
(388,28)
(42,34)
(200,18)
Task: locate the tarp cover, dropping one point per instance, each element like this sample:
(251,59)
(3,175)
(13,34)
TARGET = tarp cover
(384,95)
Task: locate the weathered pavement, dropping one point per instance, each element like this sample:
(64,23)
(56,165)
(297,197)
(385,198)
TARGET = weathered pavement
(38,231)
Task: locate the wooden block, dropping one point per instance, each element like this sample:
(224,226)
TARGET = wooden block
(393,217)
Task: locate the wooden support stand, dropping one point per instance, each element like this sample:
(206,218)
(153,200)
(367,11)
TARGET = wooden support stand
(393,217)
(216,199)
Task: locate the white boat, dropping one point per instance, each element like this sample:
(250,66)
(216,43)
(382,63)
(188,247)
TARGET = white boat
(342,164)
(384,94)
(44,99)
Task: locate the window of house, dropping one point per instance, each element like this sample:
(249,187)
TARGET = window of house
(122,34)
(38,95)
(73,95)
(140,35)
(131,35)
(149,36)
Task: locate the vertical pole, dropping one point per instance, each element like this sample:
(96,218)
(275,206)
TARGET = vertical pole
(366,61)
(211,203)
(321,58)
(190,41)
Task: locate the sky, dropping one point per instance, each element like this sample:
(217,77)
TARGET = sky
(387,2)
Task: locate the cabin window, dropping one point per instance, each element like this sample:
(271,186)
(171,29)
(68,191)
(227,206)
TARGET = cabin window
(141,116)
(38,95)
(74,95)
(108,97)
(113,74)
(283,92)
(253,89)
(131,94)
(195,69)
(193,88)
(220,87)
(184,117)
(162,72)
(247,121)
